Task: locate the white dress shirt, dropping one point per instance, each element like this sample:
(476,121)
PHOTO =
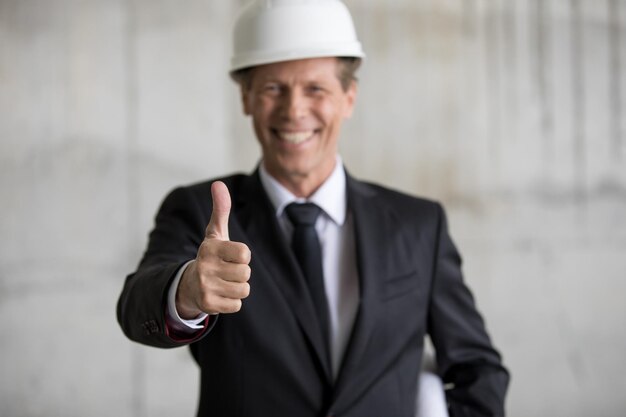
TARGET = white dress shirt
(335,229)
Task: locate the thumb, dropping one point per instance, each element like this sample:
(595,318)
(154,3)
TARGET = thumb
(218,225)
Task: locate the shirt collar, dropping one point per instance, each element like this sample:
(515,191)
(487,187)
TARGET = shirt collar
(330,197)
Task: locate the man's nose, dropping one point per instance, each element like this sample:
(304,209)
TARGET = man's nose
(294,105)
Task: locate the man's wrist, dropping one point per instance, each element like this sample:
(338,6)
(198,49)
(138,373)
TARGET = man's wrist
(177,321)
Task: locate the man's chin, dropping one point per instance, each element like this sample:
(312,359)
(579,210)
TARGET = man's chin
(289,170)
(295,172)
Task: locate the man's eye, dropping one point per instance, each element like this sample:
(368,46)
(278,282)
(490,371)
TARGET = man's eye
(315,88)
(272,88)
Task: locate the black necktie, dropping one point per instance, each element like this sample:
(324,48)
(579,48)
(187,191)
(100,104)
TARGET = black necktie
(306,247)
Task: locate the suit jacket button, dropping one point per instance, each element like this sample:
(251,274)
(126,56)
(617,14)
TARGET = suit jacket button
(150,327)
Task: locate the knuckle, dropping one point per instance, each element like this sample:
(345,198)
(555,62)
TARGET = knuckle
(238,291)
(246,254)
(242,253)
(245,290)
(247,272)
(235,306)
(230,306)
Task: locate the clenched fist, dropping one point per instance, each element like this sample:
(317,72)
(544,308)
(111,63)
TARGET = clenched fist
(217,280)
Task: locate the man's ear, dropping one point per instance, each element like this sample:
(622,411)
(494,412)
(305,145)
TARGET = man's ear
(245,99)
(350,99)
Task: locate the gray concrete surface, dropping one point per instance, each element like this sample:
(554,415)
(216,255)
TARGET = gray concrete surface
(513,113)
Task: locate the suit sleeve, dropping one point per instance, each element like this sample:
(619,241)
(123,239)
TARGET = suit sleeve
(467,361)
(141,309)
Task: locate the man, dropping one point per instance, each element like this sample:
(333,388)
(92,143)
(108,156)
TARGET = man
(300,290)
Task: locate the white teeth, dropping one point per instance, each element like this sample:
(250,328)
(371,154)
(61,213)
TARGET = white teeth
(295,137)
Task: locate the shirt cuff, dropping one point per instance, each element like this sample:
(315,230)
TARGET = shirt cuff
(180,324)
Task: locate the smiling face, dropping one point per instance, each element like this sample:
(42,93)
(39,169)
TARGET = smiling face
(297,108)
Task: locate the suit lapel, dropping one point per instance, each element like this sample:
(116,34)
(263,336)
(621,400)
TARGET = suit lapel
(371,221)
(270,250)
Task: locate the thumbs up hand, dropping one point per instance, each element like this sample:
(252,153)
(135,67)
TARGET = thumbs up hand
(217,280)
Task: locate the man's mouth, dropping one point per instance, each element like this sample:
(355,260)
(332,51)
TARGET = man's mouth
(295,137)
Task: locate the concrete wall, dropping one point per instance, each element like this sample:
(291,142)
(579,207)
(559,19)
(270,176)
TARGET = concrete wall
(513,113)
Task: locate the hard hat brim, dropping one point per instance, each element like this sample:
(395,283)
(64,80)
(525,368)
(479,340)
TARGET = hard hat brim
(352,50)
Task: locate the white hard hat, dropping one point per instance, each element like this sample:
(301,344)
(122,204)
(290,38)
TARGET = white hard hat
(268,31)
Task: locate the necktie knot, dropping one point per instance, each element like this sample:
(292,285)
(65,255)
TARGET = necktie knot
(302,214)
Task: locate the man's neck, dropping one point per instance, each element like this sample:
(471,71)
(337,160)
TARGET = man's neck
(304,185)
(330,196)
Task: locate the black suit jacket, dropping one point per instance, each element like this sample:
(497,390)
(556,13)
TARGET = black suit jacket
(268,359)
